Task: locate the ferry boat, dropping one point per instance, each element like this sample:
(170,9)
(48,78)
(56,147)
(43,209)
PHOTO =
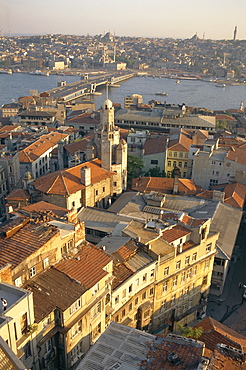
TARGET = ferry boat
(161,93)
(6,71)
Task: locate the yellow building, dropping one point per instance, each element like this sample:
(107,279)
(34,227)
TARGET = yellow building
(177,153)
(184,251)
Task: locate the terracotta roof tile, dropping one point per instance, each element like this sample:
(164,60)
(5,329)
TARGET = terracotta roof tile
(155,145)
(176,232)
(45,207)
(26,238)
(67,181)
(77,146)
(87,266)
(40,146)
(164,185)
(18,194)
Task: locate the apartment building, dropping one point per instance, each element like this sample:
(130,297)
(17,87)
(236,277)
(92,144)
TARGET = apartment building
(35,158)
(185,253)
(71,306)
(177,153)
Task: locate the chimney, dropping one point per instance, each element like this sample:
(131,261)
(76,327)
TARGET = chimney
(85,176)
(218,196)
(176,173)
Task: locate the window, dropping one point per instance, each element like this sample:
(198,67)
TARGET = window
(175,154)
(96,331)
(27,350)
(10,169)
(154,161)
(137,282)
(116,300)
(152,273)
(47,320)
(48,346)
(123,313)
(130,288)
(163,305)
(185,165)
(144,296)
(178,265)
(151,291)
(165,287)
(207,262)
(136,302)
(166,271)
(73,204)
(76,353)
(144,277)
(23,323)
(146,314)
(183,276)
(46,262)
(169,163)
(96,192)
(18,281)
(189,272)
(205,280)
(175,281)
(124,293)
(95,289)
(173,299)
(103,189)
(115,183)
(96,310)
(208,247)
(187,289)
(195,270)
(181,154)
(174,163)
(180,164)
(75,306)
(194,256)
(181,293)
(130,307)
(32,271)
(76,329)
(187,260)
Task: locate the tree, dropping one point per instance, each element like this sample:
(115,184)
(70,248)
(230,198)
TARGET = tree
(134,167)
(155,172)
(189,332)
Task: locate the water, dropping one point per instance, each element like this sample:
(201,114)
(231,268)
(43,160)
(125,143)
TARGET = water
(191,92)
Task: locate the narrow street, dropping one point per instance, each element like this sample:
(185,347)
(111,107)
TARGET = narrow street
(230,308)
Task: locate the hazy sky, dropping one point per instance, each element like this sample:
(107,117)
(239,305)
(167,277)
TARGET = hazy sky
(147,18)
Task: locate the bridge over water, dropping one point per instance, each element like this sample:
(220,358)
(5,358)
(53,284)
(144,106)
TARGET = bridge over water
(88,85)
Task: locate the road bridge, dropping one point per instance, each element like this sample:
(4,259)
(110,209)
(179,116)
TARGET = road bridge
(88,85)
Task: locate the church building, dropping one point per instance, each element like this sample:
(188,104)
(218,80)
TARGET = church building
(96,182)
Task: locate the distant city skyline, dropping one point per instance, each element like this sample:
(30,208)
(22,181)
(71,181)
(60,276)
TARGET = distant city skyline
(211,19)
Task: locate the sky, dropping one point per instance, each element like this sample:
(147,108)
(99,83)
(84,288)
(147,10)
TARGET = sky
(213,19)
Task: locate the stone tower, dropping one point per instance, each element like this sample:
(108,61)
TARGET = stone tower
(110,148)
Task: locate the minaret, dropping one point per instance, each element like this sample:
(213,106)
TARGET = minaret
(235,33)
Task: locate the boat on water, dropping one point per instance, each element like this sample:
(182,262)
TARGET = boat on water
(161,93)
(39,73)
(220,85)
(6,71)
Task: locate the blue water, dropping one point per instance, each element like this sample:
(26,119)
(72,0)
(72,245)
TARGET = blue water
(191,92)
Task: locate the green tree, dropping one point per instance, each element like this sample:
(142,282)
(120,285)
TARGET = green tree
(134,167)
(221,124)
(189,332)
(155,172)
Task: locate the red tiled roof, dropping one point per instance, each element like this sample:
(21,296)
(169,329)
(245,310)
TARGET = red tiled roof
(40,146)
(155,145)
(176,232)
(214,332)
(18,194)
(77,146)
(86,266)
(26,238)
(68,181)
(164,185)
(237,155)
(121,273)
(45,207)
